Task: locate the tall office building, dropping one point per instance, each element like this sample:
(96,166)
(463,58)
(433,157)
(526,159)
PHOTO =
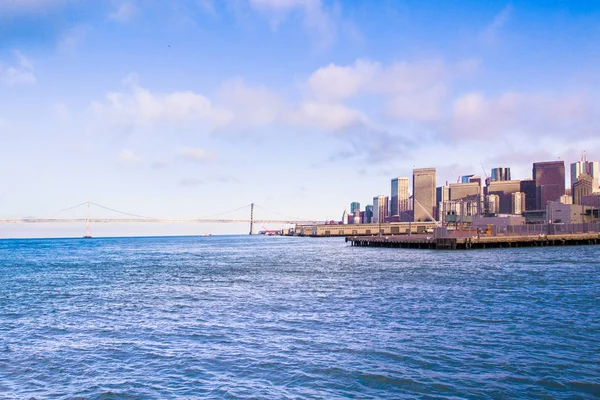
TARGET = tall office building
(368,218)
(423,194)
(583,186)
(584,166)
(399,203)
(380,209)
(355,205)
(528,188)
(500,174)
(549,180)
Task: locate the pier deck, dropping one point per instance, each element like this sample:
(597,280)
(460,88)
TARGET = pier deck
(463,243)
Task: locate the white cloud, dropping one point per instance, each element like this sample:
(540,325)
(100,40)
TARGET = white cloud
(21,73)
(412,91)
(250,105)
(195,154)
(523,114)
(125,12)
(139,107)
(129,157)
(335,83)
(326,116)
(491,32)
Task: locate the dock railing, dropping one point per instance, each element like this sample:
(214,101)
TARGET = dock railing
(519,230)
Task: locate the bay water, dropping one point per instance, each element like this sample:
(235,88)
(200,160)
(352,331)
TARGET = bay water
(286,317)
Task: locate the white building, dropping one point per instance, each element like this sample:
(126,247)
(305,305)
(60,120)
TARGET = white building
(399,199)
(380,209)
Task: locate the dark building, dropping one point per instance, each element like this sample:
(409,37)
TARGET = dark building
(368,217)
(528,187)
(504,191)
(549,180)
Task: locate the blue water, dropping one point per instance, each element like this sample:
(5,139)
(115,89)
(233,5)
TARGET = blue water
(273,317)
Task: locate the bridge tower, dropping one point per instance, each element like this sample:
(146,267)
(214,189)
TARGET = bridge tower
(251,218)
(88,235)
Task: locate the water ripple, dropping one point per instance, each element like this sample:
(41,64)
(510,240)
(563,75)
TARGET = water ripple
(263,317)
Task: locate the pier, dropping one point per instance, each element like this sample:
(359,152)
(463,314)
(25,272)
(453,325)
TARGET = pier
(466,243)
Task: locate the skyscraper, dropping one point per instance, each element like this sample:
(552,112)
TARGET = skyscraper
(399,196)
(368,215)
(584,166)
(380,208)
(355,205)
(423,194)
(549,180)
(528,187)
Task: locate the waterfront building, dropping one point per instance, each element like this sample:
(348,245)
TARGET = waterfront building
(558,213)
(368,217)
(549,180)
(423,194)
(518,203)
(583,186)
(504,191)
(500,174)
(399,198)
(380,209)
(528,188)
(355,205)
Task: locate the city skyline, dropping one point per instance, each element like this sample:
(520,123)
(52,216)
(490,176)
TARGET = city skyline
(190,108)
(547,183)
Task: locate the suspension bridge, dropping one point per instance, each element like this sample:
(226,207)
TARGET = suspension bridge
(126,217)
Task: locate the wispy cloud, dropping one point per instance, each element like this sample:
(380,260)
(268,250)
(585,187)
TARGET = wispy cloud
(20,72)
(73,38)
(491,33)
(195,154)
(129,157)
(318,20)
(124,12)
(28,6)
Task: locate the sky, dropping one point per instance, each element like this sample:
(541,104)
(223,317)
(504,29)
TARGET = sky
(192,108)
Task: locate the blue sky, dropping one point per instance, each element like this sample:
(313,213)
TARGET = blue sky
(190,108)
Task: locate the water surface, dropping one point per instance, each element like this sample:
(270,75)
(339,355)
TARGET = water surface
(274,317)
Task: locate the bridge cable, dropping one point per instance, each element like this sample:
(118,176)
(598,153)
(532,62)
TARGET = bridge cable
(280,214)
(226,212)
(121,212)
